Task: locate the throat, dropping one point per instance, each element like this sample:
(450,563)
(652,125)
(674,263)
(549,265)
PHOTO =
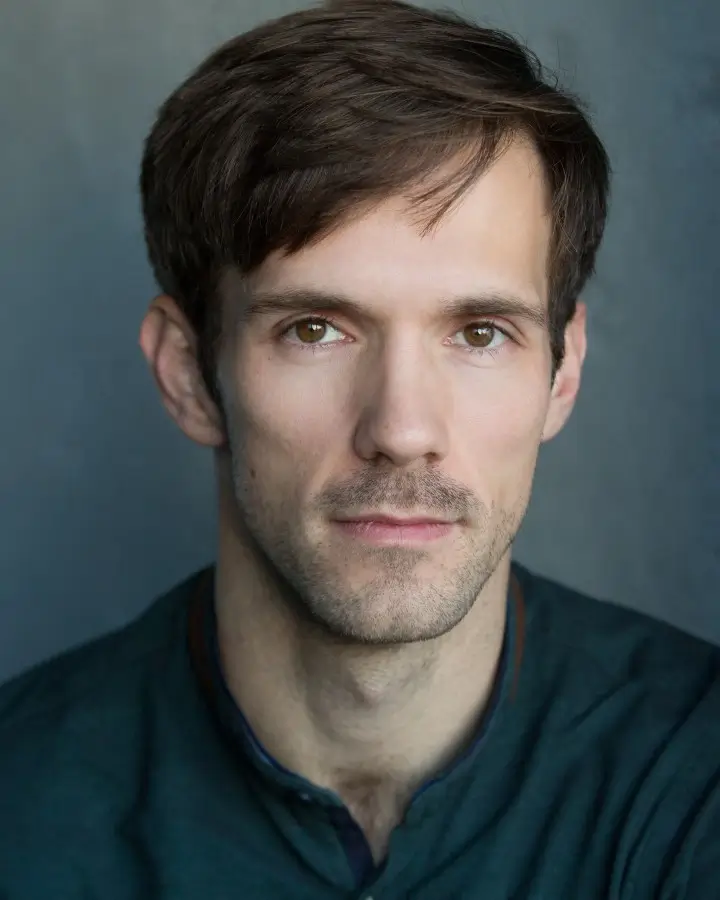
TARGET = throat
(377,809)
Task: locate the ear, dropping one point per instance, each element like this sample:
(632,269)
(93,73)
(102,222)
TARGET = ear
(567,379)
(170,347)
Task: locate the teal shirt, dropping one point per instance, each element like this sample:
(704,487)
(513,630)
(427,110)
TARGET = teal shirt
(127,772)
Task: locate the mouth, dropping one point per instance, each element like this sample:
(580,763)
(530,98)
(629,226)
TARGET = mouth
(379,528)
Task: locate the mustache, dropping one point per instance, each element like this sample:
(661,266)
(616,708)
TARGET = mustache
(429,490)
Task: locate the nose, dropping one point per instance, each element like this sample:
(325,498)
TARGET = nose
(404,410)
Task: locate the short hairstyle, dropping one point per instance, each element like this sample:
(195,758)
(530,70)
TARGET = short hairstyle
(285,131)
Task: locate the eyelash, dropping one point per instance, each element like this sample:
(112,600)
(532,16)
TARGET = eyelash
(327,320)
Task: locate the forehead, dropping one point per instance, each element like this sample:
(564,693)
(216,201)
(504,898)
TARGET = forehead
(497,237)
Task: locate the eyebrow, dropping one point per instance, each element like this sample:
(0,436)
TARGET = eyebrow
(483,305)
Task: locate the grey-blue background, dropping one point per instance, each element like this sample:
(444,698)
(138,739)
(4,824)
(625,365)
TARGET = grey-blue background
(103,504)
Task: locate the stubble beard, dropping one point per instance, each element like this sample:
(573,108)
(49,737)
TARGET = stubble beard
(398,603)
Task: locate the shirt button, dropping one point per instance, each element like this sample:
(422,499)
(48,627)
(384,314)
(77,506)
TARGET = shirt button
(306,799)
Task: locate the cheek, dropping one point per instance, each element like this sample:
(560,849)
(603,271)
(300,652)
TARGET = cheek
(503,436)
(289,418)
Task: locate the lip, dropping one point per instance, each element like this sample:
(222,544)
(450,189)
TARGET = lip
(378,528)
(398,521)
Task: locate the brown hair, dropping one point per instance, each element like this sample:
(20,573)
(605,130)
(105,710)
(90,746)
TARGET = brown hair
(286,130)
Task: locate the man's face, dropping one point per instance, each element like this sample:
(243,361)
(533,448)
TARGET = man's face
(404,404)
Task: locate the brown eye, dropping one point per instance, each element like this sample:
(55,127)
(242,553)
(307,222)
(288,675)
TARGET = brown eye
(479,335)
(310,331)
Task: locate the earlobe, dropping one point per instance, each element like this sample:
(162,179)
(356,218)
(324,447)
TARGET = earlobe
(169,346)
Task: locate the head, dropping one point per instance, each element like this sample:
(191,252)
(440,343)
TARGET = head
(371,224)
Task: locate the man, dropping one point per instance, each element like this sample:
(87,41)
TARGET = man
(371,225)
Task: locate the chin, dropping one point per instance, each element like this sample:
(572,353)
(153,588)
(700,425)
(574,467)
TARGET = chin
(378,616)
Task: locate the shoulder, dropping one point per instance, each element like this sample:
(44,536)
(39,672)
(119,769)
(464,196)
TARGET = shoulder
(79,714)
(633,703)
(619,682)
(80,677)
(612,644)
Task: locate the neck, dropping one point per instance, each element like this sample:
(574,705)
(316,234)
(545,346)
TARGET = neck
(340,714)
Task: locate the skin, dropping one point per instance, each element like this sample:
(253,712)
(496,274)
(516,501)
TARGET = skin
(366,667)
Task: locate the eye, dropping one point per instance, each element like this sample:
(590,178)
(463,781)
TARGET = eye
(312,331)
(482,337)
